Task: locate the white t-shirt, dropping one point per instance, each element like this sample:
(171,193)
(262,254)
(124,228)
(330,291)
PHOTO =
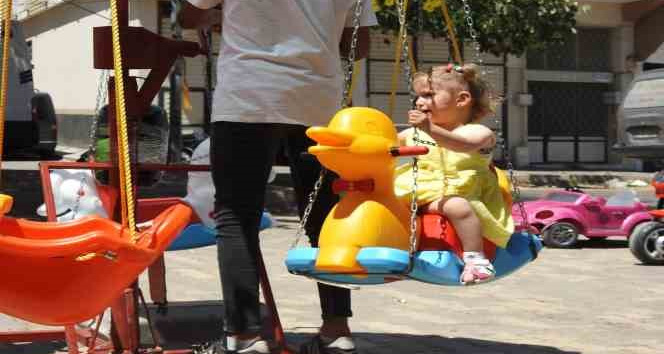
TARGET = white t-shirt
(279,59)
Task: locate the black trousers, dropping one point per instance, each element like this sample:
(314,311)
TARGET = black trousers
(242,155)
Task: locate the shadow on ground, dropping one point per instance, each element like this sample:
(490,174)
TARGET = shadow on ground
(191,323)
(34,348)
(603,244)
(375,343)
(369,343)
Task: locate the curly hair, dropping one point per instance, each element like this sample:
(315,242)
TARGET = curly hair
(466,77)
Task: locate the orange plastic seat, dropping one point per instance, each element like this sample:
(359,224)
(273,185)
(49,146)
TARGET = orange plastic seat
(64,273)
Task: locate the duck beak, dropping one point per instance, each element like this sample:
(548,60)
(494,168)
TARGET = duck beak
(329,139)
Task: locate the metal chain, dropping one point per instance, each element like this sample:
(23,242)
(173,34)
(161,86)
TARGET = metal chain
(92,148)
(350,61)
(307,210)
(516,192)
(348,78)
(413,204)
(405,48)
(479,59)
(102,92)
(473,32)
(517,195)
(405,57)
(79,194)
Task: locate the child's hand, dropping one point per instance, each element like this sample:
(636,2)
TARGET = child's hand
(419,119)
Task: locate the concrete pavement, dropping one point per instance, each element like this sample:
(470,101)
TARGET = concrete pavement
(591,300)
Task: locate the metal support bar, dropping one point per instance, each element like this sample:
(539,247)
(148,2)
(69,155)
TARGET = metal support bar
(32,336)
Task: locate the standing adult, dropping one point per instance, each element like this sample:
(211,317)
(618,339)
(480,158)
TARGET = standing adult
(279,72)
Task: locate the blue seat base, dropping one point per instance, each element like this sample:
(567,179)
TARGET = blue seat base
(198,235)
(384,264)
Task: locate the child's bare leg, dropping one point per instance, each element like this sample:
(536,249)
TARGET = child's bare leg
(469,230)
(462,216)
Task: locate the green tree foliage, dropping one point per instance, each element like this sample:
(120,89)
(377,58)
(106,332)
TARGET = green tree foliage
(502,26)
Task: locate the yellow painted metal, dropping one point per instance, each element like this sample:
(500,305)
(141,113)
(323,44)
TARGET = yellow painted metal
(356,146)
(353,81)
(396,67)
(451,32)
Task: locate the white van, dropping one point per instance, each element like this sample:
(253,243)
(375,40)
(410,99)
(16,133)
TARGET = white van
(30,116)
(641,118)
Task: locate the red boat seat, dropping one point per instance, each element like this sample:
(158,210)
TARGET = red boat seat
(63,273)
(439,234)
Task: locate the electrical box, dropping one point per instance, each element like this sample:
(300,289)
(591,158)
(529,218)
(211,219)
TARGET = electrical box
(523,99)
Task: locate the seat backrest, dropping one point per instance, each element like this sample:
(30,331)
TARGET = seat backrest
(6,203)
(505,185)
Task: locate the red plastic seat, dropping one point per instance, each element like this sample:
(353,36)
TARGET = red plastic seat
(439,234)
(64,273)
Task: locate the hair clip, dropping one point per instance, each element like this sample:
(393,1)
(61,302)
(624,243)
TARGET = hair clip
(454,67)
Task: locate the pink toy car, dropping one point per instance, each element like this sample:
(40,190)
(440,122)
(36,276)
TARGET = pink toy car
(562,215)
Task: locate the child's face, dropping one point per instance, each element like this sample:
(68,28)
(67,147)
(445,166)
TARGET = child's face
(440,105)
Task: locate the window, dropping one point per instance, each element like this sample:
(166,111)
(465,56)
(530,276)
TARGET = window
(562,197)
(588,50)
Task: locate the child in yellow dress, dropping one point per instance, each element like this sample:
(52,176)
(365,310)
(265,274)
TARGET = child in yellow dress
(455,178)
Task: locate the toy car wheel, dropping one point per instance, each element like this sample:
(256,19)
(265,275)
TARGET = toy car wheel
(639,227)
(560,235)
(647,243)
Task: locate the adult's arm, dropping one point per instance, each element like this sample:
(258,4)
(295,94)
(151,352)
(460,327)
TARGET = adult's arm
(200,14)
(367,19)
(362,49)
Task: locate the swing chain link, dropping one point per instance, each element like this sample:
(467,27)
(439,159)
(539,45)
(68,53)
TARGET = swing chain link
(79,194)
(516,191)
(517,196)
(310,204)
(405,57)
(405,49)
(348,80)
(413,203)
(350,61)
(470,23)
(102,92)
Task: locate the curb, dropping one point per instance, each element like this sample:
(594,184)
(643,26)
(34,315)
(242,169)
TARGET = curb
(586,179)
(554,179)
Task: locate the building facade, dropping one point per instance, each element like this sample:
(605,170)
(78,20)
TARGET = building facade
(560,104)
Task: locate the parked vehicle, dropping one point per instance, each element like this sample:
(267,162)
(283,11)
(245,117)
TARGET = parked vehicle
(561,216)
(30,121)
(647,240)
(641,118)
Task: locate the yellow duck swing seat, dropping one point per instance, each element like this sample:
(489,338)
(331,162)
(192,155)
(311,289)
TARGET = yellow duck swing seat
(368,237)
